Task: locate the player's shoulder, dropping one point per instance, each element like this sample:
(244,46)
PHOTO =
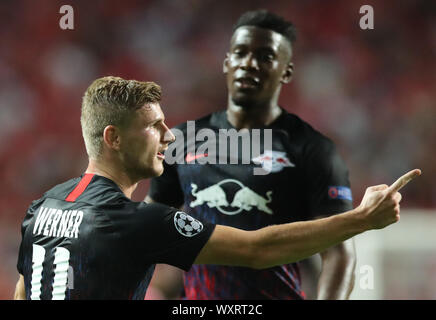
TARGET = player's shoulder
(152,210)
(58,191)
(62,189)
(137,217)
(304,131)
(54,192)
(98,190)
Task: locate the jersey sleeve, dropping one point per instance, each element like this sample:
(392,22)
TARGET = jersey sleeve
(326,180)
(166,188)
(171,236)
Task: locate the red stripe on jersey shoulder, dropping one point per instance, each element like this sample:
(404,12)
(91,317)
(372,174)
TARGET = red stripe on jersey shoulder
(78,190)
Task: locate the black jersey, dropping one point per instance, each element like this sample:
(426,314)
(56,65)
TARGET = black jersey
(307,178)
(85,240)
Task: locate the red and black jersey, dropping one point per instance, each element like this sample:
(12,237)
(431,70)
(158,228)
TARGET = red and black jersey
(307,178)
(85,240)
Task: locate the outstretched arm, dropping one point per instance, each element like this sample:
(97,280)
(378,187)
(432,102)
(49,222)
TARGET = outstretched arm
(286,243)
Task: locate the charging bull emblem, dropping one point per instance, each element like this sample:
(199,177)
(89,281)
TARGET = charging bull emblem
(214,196)
(247,198)
(244,199)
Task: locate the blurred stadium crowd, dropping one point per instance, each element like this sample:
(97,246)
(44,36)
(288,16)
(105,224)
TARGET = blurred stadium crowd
(372,91)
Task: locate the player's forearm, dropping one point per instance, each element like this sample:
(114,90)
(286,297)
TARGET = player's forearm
(292,242)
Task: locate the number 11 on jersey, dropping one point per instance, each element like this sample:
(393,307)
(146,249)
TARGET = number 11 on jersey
(61,265)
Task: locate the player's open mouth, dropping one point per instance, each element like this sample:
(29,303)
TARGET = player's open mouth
(160,155)
(247,83)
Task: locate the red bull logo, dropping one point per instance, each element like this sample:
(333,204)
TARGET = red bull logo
(244,199)
(273,161)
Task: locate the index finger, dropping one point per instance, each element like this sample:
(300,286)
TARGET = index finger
(403,180)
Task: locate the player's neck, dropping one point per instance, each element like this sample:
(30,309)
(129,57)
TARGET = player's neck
(120,177)
(255,117)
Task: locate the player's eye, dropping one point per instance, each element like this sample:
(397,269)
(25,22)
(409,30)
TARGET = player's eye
(238,52)
(153,125)
(267,57)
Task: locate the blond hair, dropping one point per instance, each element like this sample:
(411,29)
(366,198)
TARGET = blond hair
(110,101)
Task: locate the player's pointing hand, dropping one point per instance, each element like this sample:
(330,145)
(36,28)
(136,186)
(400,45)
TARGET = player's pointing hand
(403,180)
(380,205)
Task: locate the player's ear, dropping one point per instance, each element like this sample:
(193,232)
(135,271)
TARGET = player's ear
(112,137)
(226,64)
(287,74)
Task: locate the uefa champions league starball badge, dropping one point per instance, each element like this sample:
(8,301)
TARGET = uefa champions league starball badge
(187,225)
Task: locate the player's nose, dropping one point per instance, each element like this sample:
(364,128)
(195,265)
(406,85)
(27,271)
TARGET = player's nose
(248,62)
(168,136)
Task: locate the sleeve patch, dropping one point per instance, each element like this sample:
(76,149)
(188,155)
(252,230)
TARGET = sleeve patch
(340,192)
(187,225)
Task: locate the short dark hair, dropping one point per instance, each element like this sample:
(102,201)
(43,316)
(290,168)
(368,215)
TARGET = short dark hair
(110,101)
(267,20)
